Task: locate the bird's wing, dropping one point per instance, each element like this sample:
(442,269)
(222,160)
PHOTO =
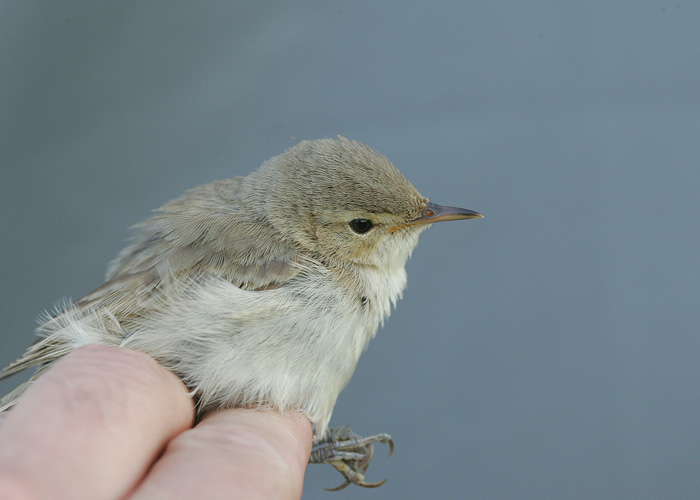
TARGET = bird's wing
(209,230)
(199,235)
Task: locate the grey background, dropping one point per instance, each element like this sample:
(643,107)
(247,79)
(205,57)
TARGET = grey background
(548,351)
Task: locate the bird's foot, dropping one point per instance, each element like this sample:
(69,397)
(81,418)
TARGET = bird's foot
(350,454)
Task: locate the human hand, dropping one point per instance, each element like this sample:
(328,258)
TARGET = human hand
(109,423)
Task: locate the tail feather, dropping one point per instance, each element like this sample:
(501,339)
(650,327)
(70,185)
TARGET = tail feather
(9,399)
(41,354)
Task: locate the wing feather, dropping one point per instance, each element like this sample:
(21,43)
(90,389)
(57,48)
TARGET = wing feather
(209,231)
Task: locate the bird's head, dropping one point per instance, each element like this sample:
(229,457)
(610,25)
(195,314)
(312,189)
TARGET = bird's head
(345,202)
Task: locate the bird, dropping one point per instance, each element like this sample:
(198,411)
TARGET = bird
(261,290)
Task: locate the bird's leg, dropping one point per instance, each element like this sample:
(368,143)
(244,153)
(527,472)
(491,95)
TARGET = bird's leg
(350,454)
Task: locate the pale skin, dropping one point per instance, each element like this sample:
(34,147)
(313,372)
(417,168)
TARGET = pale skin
(109,423)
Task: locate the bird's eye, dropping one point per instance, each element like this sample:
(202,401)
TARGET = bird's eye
(361,226)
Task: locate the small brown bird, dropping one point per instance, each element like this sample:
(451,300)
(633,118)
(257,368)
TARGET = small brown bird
(262,290)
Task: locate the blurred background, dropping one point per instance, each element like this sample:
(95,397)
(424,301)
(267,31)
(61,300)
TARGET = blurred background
(548,351)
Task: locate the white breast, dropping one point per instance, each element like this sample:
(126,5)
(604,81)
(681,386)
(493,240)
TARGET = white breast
(292,347)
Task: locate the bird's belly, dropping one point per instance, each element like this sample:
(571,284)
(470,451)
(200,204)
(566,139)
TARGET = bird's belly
(294,347)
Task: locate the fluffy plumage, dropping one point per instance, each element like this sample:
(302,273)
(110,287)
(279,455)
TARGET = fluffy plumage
(256,290)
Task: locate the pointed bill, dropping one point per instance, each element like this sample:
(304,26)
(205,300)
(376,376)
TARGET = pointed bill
(438,213)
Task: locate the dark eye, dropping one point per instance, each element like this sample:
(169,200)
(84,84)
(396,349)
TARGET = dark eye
(361,226)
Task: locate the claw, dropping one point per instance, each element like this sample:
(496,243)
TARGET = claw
(338,488)
(363,484)
(353,476)
(372,485)
(350,454)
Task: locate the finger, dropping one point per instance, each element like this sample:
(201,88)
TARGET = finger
(91,426)
(238,453)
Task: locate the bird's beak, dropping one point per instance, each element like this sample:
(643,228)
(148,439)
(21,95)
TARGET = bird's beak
(437,213)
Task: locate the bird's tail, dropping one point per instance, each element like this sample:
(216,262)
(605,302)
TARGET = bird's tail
(41,354)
